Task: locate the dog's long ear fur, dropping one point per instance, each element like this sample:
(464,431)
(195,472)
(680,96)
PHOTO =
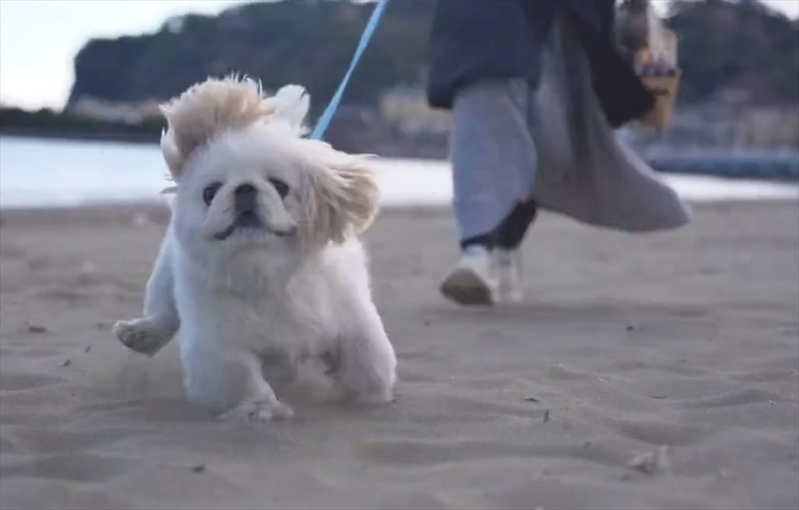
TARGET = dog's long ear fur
(205,110)
(340,196)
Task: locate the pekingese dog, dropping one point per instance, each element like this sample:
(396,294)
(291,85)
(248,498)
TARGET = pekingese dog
(261,267)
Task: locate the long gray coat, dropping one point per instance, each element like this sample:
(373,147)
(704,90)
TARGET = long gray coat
(583,90)
(584,171)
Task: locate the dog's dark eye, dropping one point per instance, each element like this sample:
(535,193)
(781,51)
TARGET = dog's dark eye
(210,192)
(281,187)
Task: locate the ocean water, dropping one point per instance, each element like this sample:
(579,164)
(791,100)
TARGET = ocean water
(47,173)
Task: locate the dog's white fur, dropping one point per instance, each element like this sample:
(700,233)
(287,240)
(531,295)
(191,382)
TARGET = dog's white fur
(262,299)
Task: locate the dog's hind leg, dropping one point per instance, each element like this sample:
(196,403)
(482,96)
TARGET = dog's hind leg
(366,368)
(279,370)
(150,333)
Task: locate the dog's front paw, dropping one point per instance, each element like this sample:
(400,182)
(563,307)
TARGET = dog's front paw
(374,398)
(258,411)
(140,335)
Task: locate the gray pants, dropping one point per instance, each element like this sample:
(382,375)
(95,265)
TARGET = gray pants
(493,155)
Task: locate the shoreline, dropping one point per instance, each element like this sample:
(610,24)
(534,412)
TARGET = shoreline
(737,164)
(73,136)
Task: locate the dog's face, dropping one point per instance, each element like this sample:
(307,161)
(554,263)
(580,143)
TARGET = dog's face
(254,183)
(240,191)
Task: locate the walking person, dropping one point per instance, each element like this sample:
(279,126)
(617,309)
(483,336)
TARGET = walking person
(536,89)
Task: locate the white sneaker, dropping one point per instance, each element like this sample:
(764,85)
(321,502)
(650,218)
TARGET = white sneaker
(472,282)
(508,266)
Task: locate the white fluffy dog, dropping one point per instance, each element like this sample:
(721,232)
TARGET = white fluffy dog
(261,267)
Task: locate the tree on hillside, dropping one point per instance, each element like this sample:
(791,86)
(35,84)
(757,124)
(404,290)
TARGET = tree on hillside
(740,44)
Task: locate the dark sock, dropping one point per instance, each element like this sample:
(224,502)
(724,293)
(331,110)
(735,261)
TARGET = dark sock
(511,232)
(484,240)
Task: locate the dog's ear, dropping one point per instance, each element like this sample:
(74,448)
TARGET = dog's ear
(340,197)
(172,154)
(291,104)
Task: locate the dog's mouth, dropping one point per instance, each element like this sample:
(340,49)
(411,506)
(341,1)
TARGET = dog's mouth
(248,221)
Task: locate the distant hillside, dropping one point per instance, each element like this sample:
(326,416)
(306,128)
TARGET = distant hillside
(742,45)
(301,41)
(722,44)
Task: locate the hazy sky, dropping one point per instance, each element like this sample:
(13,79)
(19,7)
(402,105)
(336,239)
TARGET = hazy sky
(39,38)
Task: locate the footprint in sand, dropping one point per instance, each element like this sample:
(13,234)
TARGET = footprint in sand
(18,381)
(733,398)
(26,351)
(563,373)
(658,433)
(407,452)
(50,440)
(69,467)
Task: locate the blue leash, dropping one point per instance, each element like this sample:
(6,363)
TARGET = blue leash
(324,120)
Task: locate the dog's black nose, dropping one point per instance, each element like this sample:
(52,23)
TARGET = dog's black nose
(244,198)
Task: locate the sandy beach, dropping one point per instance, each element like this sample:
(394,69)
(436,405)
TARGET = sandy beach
(641,372)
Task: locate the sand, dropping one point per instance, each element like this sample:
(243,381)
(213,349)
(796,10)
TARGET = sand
(641,372)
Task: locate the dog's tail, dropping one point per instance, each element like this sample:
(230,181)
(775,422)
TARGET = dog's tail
(291,103)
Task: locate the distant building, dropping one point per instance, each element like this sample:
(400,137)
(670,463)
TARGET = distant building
(406,109)
(730,120)
(109,111)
